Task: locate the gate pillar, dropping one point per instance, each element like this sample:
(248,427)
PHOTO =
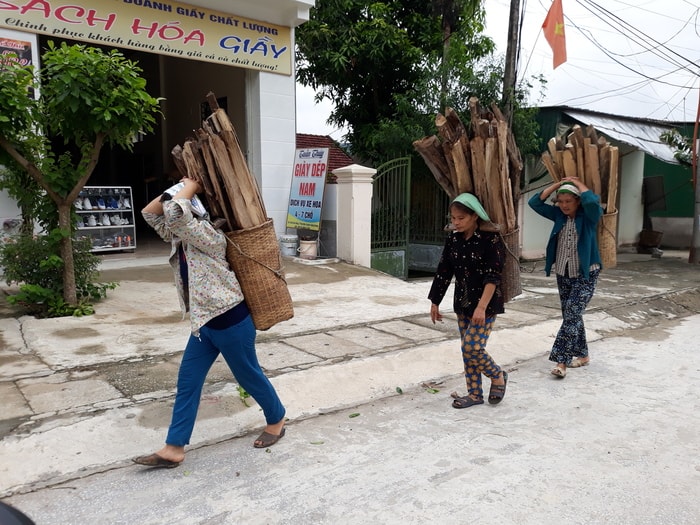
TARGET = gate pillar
(354,226)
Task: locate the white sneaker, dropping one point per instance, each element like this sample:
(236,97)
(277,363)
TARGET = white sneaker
(105,220)
(87,205)
(78,204)
(115,220)
(127,204)
(91,220)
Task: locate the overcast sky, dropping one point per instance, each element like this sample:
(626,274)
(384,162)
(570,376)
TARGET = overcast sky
(626,57)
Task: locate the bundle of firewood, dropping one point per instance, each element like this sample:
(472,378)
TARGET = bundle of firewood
(214,159)
(588,157)
(481,158)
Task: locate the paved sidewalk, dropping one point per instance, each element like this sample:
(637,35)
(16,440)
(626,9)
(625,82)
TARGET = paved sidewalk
(84,395)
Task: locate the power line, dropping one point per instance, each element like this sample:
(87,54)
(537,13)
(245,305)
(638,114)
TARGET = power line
(637,36)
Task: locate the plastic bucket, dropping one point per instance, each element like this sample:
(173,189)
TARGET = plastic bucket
(307,249)
(288,245)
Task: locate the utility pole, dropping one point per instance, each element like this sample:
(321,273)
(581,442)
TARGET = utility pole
(512,53)
(694,255)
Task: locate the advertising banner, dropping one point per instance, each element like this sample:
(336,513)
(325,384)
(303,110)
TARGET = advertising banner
(308,183)
(166,28)
(15,51)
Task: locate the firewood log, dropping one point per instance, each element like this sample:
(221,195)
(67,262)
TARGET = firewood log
(506,191)
(613,180)
(569,162)
(477,148)
(430,149)
(592,168)
(246,182)
(551,167)
(604,163)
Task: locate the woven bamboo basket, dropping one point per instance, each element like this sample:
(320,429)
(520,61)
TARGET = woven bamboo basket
(510,278)
(254,255)
(607,239)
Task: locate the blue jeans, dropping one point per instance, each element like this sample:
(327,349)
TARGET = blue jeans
(237,346)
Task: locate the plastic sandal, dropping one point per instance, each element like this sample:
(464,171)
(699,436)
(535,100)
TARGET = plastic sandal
(498,392)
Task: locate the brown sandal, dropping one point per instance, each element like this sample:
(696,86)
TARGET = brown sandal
(267,440)
(154,460)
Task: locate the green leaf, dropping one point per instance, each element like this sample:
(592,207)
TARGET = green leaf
(355,414)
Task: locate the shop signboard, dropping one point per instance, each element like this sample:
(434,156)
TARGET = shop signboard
(308,183)
(166,28)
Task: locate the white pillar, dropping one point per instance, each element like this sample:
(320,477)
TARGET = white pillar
(354,224)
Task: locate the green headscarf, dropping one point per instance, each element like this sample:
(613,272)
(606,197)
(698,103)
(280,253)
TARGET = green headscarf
(471,202)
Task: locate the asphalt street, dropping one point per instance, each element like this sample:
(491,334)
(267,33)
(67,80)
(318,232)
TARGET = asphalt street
(614,442)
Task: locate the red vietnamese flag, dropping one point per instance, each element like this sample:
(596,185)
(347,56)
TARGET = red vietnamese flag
(553,28)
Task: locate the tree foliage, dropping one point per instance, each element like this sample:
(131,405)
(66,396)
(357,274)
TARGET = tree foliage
(389,67)
(88,97)
(682,146)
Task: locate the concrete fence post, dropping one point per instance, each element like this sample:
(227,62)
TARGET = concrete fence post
(354,224)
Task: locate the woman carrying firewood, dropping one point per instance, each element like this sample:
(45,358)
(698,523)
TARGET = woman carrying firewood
(219,318)
(475,258)
(572,250)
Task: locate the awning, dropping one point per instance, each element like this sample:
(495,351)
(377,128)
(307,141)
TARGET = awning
(638,134)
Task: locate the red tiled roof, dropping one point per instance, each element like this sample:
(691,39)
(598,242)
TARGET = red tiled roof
(337,158)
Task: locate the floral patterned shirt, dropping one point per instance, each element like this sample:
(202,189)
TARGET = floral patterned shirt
(213,287)
(473,262)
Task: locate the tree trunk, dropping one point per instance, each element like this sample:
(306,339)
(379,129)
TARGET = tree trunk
(66,249)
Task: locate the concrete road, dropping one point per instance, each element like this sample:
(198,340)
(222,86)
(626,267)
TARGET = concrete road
(614,443)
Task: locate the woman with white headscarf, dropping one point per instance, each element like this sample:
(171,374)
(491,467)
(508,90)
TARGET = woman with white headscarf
(572,251)
(220,321)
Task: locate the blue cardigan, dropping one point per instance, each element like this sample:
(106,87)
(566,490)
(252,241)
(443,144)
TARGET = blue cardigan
(587,217)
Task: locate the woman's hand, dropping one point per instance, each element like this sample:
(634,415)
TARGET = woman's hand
(479,315)
(435,314)
(576,182)
(192,185)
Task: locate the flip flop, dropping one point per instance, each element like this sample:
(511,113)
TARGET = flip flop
(556,371)
(154,460)
(498,392)
(466,402)
(578,362)
(267,440)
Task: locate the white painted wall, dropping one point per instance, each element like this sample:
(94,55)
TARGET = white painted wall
(534,229)
(631,209)
(271,123)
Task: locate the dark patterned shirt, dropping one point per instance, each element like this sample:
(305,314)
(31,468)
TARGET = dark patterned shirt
(473,262)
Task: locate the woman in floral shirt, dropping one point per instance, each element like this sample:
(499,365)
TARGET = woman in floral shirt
(220,322)
(475,258)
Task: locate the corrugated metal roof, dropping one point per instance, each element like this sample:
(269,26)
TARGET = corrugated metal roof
(637,133)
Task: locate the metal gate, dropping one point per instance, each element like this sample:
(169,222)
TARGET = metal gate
(391,204)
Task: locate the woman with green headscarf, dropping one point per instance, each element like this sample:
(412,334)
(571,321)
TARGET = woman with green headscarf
(572,251)
(475,258)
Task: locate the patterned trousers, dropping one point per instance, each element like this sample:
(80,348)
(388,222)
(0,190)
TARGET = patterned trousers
(574,294)
(476,359)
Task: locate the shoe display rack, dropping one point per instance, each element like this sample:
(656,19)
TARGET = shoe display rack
(106,217)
